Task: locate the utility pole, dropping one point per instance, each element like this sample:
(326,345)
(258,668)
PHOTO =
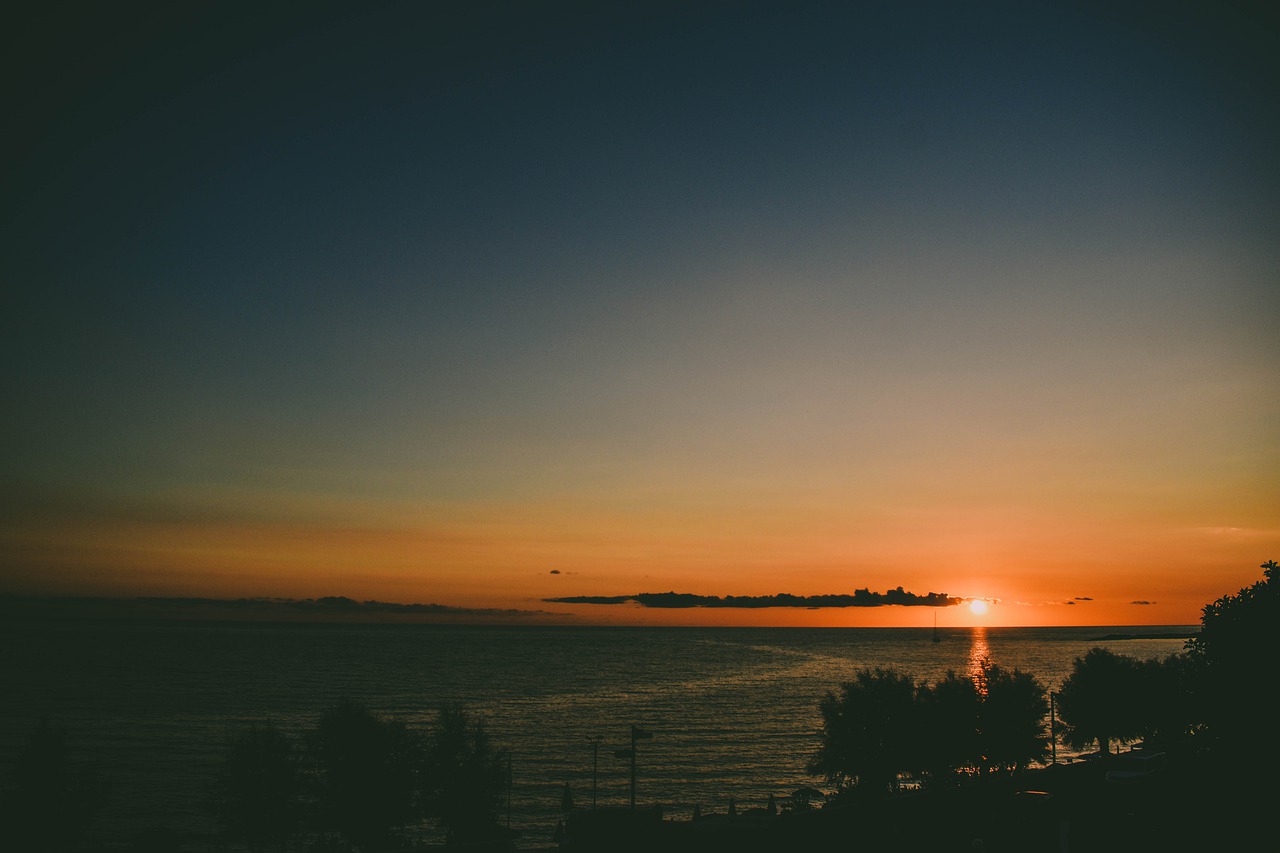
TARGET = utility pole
(595,766)
(637,733)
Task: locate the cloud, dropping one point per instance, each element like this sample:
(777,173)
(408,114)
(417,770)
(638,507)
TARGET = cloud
(1142,602)
(1235,531)
(555,571)
(681,600)
(1052,602)
(1083,598)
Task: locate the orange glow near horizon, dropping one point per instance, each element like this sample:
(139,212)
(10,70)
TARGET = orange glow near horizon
(468,558)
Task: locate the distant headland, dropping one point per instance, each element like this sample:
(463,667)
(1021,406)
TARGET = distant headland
(326,609)
(1170,635)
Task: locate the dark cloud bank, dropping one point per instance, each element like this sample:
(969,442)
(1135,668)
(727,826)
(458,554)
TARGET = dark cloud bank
(675,600)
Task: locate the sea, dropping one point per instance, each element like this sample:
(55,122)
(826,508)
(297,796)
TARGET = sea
(733,712)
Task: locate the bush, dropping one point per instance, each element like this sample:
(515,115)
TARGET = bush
(467,775)
(369,774)
(52,801)
(258,788)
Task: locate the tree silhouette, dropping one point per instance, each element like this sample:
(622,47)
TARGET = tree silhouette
(870,731)
(468,775)
(1100,701)
(1170,712)
(1011,714)
(51,802)
(1237,644)
(949,737)
(882,725)
(258,787)
(369,774)
(994,723)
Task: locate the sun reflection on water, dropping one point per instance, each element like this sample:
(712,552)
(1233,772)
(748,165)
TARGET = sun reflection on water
(979,651)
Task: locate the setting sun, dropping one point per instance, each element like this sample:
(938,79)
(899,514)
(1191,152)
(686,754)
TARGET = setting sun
(977,607)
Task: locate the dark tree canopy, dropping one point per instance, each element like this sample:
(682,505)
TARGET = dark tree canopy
(882,724)
(364,776)
(1170,709)
(949,713)
(1101,700)
(468,775)
(869,731)
(51,801)
(369,771)
(259,787)
(1011,715)
(1238,643)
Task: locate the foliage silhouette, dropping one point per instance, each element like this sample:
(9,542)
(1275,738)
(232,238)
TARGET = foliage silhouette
(52,801)
(1236,632)
(950,737)
(1170,712)
(1011,712)
(1101,700)
(258,788)
(869,731)
(369,773)
(883,725)
(467,775)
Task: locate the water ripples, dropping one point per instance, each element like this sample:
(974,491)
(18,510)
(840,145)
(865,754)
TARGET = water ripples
(734,712)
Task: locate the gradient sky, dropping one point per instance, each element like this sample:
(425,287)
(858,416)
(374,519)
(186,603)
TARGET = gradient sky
(485,303)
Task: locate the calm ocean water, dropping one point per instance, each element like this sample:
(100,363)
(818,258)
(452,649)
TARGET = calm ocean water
(733,712)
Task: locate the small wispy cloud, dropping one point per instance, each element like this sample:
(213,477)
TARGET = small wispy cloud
(1056,602)
(1232,531)
(1142,602)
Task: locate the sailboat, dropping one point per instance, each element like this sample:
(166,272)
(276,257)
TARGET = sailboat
(936,638)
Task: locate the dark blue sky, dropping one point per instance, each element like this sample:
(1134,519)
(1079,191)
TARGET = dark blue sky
(721,258)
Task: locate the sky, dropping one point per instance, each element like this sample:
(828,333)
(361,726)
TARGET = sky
(484,304)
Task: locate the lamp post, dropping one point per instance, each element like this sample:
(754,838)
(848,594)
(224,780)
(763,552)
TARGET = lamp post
(637,733)
(595,765)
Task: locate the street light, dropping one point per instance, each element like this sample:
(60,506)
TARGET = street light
(637,733)
(595,765)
